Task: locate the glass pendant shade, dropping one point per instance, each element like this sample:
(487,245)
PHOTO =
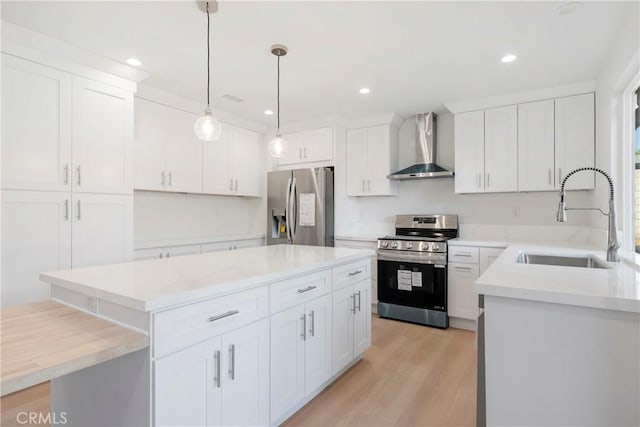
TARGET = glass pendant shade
(278,146)
(207,128)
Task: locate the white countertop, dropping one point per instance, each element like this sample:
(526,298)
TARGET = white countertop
(158,243)
(359,237)
(155,284)
(471,242)
(617,288)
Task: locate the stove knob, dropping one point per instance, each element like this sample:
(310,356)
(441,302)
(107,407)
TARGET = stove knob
(385,244)
(424,246)
(435,247)
(394,245)
(409,245)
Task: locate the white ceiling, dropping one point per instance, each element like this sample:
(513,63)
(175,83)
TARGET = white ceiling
(415,56)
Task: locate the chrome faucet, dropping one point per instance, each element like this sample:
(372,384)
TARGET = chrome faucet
(612,235)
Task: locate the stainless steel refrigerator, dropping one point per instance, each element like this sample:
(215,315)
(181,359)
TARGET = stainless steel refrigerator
(300,207)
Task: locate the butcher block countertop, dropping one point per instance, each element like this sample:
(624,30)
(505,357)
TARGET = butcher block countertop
(46,340)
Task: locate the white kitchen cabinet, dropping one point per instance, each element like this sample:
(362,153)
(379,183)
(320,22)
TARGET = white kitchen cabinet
(234,164)
(463,301)
(310,146)
(536,140)
(245,381)
(183,153)
(102,138)
(168,153)
(488,256)
(372,154)
(149,145)
(223,381)
(351,323)
(317,366)
(501,149)
(360,244)
(187,386)
(36,237)
(36,126)
(102,229)
(469,152)
(574,140)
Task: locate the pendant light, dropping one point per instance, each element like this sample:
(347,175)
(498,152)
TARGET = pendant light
(207,128)
(278,146)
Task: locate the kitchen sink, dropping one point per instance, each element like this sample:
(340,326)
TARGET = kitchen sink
(562,261)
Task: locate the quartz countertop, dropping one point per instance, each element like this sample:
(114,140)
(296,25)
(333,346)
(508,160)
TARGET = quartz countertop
(617,288)
(156,284)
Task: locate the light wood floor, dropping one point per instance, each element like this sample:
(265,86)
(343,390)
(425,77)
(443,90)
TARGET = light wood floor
(411,376)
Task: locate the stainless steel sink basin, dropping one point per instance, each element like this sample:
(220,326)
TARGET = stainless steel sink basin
(562,261)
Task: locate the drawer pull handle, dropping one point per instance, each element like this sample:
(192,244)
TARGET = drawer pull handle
(464,254)
(307,289)
(463,268)
(355,273)
(222,316)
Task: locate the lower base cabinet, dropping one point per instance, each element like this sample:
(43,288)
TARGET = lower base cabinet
(223,381)
(300,353)
(351,323)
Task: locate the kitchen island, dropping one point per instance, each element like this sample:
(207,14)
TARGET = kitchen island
(245,337)
(561,344)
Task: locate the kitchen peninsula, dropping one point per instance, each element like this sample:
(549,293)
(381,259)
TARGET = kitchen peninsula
(243,337)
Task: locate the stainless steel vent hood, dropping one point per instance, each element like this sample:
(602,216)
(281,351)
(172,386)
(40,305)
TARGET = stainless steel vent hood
(425,165)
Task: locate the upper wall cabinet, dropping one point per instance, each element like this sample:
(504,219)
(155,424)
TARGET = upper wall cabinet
(525,147)
(536,146)
(575,146)
(311,146)
(469,152)
(234,165)
(77,119)
(102,138)
(168,155)
(501,149)
(372,154)
(35,157)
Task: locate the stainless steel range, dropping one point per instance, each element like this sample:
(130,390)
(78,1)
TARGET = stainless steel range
(412,269)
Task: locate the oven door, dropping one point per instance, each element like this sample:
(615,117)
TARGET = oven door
(414,281)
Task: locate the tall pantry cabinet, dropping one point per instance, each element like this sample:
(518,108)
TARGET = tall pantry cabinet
(67,193)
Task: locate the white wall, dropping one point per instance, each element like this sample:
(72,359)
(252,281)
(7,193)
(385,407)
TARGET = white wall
(618,70)
(169,216)
(375,214)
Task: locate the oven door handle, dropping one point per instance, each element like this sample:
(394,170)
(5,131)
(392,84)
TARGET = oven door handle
(431,258)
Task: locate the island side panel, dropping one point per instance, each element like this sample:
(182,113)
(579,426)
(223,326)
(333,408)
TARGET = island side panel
(113,393)
(554,364)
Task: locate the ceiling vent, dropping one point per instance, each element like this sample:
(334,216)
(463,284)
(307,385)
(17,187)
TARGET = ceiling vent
(232,98)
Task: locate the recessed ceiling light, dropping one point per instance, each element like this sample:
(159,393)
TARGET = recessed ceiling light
(568,8)
(364,90)
(134,62)
(268,112)
(509,58)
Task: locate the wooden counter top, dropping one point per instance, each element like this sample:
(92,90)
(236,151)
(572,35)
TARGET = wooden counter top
(46,340)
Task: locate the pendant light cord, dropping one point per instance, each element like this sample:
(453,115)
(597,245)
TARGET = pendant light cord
(208,59)
(278,97)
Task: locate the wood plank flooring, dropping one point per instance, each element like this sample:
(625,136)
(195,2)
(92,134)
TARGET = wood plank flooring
(411,376)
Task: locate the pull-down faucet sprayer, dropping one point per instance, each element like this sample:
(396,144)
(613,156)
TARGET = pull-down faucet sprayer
(612,236)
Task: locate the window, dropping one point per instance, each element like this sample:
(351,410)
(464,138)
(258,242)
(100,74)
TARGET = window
(636,208)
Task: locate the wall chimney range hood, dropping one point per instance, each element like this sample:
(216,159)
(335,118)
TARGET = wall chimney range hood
(425,165)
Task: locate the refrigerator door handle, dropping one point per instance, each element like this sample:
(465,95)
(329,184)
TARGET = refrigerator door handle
(294,209)
(287,211)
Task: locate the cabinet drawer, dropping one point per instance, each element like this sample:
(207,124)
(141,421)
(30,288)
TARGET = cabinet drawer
(298,290)
(181,327)
(351,273)
(466,254)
